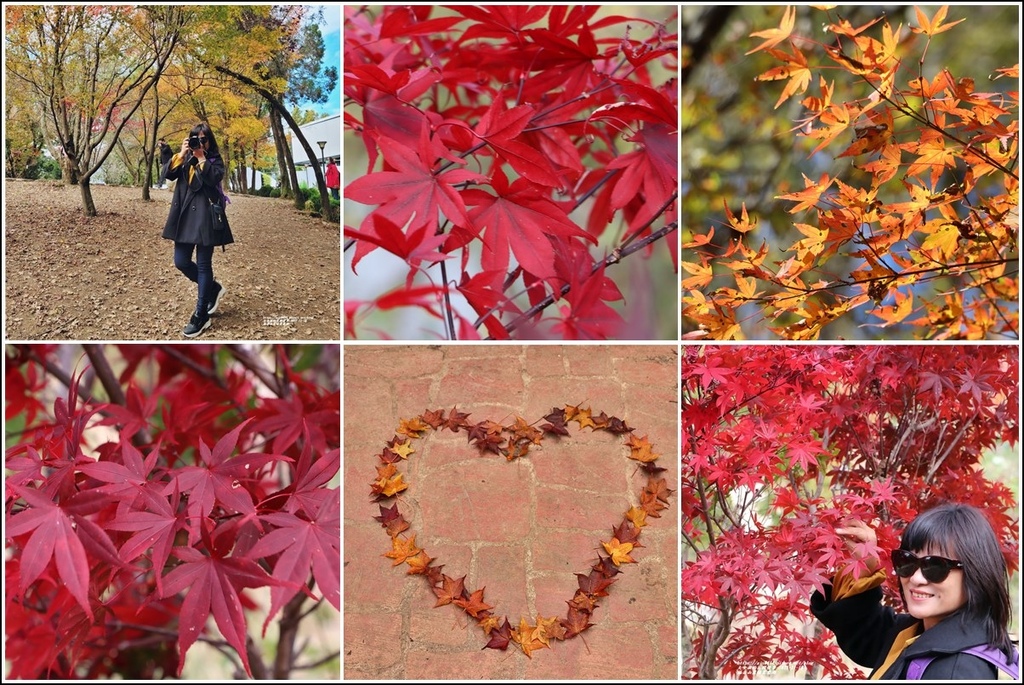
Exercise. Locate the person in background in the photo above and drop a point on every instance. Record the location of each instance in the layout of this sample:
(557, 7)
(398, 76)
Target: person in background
(165, 156)
(333, 178)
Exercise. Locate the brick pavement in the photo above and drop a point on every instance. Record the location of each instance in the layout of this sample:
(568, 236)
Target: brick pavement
(521, 529)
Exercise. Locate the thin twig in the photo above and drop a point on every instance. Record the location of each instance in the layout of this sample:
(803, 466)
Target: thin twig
(449, 319)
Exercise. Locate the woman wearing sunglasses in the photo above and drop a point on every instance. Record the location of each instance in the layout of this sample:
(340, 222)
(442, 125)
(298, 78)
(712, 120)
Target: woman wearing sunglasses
(954, 585)
(190, 223)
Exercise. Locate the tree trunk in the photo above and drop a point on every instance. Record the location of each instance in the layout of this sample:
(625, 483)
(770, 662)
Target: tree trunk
(87, 203)
(282, 153)
(148, 158)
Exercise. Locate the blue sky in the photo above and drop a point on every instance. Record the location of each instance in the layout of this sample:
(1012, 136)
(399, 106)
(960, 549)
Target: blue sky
(331, 30)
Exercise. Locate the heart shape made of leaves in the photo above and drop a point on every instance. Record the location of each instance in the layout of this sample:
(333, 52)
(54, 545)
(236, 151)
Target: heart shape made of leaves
(514, 442)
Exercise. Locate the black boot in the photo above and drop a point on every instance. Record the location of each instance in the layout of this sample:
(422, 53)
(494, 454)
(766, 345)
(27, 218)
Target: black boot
(199, 322)
(214, 298)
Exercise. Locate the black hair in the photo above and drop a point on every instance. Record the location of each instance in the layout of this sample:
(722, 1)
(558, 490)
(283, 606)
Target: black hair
(203, 129)
(962, 532)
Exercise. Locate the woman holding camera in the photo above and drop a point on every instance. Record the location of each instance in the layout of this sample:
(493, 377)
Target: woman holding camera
(193, 225)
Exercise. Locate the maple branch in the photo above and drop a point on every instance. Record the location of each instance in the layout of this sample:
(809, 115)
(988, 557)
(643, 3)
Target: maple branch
(843, 283)
(206, 372)
(288, 627)
(105, 374)
(706, 668)
(57, 372)
(980, 285)
(953, 443)
(449, 320)
(637, 232)
(274, 383)
(256, 665)
(319, 662)
(220, 645)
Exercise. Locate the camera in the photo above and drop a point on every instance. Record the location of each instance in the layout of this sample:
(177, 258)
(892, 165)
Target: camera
(193, 142)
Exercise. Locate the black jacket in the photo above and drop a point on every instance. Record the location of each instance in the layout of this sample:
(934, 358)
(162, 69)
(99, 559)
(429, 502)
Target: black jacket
(189, 219)
(866, 630)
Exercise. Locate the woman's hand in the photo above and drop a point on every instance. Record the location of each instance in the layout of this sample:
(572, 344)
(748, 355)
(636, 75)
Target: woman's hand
(199, 153)
(184, 147)
(857, 534)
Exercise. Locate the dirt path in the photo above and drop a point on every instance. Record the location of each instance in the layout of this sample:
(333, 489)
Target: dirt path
(112, 277)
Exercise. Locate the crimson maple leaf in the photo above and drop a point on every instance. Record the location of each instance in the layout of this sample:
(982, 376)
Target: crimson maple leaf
(500, 637)
(219, 479)
(301, 545)
(648, 173)
(412, 194)
(588, 317)
(155, 527)
(414, 248)
(522, 217)
(484, 292)
(214, 583)
(53, 537)
(500, 128)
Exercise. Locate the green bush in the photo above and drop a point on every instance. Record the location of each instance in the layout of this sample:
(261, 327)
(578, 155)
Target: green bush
(45, 168)
(275, 192)
(265, 191)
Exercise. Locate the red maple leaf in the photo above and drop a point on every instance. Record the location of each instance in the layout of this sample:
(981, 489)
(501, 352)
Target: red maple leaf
(414, 248)
(412, 194)
(155, 527)
(500, 128)
(648, 173)
(219, 480)
(588, 317)
(300, 546)
(53, 537)
(214, 583)
(520, 216)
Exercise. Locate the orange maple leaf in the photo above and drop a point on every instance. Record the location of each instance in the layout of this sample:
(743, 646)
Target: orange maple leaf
(619, 551)
(404, 449)
(637, 516)
(525, 637)
(402, 550)
(474, 606)
(743, 226)
(795, 69)
(775, 36)
(810, 195)
(641, 449)
(413, 427)
(419, 564)
(702, 273)
(934, 26)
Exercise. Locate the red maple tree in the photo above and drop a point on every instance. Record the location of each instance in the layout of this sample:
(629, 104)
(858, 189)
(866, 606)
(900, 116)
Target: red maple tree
(486, 129)
(145, 501)
(782, 443)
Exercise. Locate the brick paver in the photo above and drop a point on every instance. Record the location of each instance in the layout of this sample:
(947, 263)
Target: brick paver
(521, 529)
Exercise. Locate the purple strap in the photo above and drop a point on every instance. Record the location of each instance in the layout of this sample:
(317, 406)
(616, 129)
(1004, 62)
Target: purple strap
(990, 654)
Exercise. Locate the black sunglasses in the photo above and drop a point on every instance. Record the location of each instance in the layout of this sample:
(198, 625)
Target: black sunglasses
(934, 569)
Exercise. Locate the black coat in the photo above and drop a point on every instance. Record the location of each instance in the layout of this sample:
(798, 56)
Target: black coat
(866, 630)
(190, 218)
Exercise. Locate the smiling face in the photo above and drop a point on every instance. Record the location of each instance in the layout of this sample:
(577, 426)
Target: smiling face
(932, 602)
